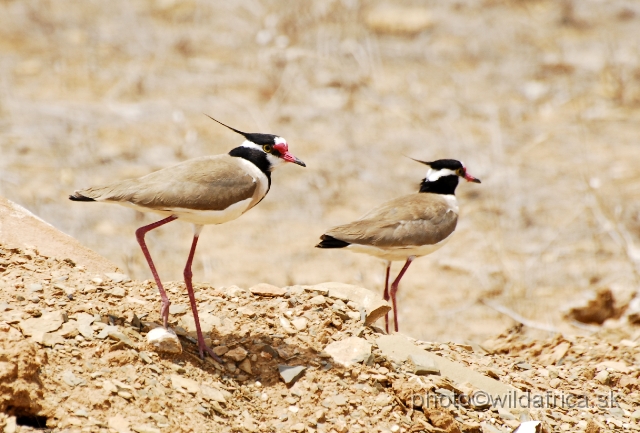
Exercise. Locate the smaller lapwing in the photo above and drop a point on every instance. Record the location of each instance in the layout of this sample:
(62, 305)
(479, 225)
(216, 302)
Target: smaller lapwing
(204, 190)
(407, 227)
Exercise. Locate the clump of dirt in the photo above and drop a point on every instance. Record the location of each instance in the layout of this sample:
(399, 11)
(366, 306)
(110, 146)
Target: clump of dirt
(21, 391)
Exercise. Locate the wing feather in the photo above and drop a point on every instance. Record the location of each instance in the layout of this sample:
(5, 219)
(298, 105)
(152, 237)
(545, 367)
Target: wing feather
(413, 220)
(206, 183)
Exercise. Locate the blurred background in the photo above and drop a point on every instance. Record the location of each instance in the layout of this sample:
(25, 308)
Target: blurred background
(540, 99)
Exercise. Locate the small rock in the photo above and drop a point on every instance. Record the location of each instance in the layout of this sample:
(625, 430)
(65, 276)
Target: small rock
(110, 387)
(524, 365)
(180, 382)
(118, 423)
(299, 427)
(245, 366)
(145, 357)
(290, 374)
(97, 281)
(286, 325)
(117, 277)
(71, 379)
(237, 354)
(48, 339)
(69, 329)
(118, 292)
(349, 351)
(48, 322)
(602, 377)
(318, 300)
(11, 425)
(34, 287)
(125, 394)
(423, 366)
(212, 394)
(114, 333)
(527, 427)
(398, 20)
(300, 323)
(220, 350)
(264, 289)
(177, 309)
(164, 340)
(554, 383)
(145, 428)
(340, 400)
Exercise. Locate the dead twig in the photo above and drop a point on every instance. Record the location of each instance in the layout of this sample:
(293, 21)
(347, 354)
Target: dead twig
(518, 318)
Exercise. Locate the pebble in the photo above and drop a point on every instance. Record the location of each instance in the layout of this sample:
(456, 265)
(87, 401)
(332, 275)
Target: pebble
(145, 357)
(264, 289)
(554, 383)
(220, 350)
(145, 428)
(423, 366)
(212, 394)
(164, 340)
(118, 292)
(291, 374)
(602, 377)
(179, 382)
(237, 354)
(48, 322)
(177, 309)
(349, 351)
(300, 323)
(34, 287)
(71, 379)
(116, 277)
(318, 300)
(245, 366)
(114, 333)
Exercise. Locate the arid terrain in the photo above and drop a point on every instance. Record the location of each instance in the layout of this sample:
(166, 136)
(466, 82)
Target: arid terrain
(540, 99)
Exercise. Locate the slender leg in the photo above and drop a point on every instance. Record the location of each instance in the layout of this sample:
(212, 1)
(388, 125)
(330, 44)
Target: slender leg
(164, 310)
(192, 297)
(385, 295)
(394, 289)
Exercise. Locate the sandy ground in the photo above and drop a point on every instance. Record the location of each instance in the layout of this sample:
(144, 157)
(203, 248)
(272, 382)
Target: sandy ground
(540, 99)
(74, 358)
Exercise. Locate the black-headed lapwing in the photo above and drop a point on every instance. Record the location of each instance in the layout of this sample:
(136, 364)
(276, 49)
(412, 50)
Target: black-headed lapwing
(204, 190)
(406, 227)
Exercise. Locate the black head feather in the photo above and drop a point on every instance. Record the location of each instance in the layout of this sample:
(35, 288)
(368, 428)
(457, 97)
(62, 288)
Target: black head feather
(255, 137)
(451, 164)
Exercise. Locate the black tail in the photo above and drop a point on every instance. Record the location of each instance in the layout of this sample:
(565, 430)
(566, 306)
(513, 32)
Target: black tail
(79, 197)
(331, 242)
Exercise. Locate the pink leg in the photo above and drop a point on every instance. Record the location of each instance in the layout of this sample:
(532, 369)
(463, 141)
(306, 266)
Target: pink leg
(164, 310)
(192, 299)
(394, 289)
(385, 295)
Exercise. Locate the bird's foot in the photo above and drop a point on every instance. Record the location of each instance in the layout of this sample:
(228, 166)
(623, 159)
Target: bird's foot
(203, 348)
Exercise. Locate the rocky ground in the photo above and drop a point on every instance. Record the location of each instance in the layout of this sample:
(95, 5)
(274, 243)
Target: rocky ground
(74, 358)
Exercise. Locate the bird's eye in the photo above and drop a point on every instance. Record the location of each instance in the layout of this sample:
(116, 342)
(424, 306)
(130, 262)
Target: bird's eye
(267, 148)
(460, 172)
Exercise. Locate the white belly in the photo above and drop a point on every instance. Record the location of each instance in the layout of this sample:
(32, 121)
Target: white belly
(201, 217)
(397, 253)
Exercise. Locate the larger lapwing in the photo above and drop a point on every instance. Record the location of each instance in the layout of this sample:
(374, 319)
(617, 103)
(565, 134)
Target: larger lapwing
(204, 190)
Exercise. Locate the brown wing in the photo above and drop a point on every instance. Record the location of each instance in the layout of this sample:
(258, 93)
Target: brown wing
(412, 220)
(206, 183)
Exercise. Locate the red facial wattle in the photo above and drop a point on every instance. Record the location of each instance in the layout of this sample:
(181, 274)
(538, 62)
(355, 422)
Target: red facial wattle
(283, 149)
